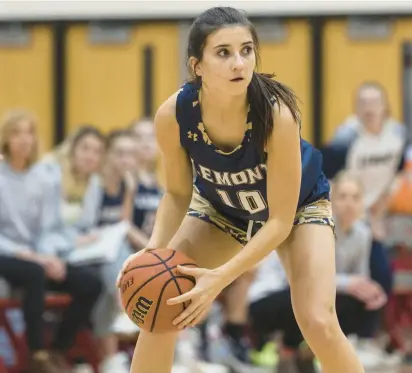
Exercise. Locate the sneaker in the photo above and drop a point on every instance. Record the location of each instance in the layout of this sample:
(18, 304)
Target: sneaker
(40, 362)
(118, 363)
(225, 352)
(83, 368)
(267, 356)
(373, 356)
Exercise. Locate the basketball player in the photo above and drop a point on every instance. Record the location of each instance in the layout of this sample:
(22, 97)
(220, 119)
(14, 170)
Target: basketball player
(258, 186)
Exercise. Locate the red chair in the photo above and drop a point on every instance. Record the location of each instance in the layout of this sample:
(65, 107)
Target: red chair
(398, 312)
(84, 345)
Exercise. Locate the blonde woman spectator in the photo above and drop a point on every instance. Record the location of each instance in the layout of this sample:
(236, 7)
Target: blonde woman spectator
(75, 165)
(27, 211)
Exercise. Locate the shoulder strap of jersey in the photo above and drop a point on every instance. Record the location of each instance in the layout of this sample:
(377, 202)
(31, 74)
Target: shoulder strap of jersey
(187, 112)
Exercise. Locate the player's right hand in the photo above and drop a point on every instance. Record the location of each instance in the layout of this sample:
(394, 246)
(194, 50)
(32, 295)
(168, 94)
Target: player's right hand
(126, 263)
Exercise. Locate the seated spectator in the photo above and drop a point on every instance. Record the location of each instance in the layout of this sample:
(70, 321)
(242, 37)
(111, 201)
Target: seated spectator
(111, 203)
(75, 165)
(26, 212)
(370, 144)
(271, 311)
(148, 193)
(360, 298)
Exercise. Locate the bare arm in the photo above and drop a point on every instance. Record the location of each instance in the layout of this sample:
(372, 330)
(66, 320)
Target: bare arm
(283, 186)
(178, 176)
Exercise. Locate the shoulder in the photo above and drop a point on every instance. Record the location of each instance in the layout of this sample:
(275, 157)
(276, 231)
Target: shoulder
(286, 129)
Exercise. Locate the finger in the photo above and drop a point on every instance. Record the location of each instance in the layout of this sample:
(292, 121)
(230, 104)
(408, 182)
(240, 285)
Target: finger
(190, 271)
(199, 319)
(192, 316)
(183, 298)
(179, 320)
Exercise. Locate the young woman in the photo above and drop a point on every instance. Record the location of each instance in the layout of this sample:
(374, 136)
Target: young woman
(258, 186)
(148, 191)
(27, 211)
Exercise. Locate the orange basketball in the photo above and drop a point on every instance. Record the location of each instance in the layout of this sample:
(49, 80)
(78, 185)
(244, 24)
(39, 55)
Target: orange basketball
(150, 280)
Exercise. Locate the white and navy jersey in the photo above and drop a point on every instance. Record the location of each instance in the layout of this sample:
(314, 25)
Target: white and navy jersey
(235, 182)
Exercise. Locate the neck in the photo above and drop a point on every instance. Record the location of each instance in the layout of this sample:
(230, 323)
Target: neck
(79, 176)
(18, 164)
(112, 182)
(223, 103)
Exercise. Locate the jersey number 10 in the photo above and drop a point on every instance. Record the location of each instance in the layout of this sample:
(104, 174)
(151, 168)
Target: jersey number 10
(251, 201)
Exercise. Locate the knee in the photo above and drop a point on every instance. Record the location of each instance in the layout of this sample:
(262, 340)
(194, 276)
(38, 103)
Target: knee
(318, 322)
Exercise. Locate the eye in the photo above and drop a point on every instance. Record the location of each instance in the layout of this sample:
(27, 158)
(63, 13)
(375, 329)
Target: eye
(223, 53)
(247, 50)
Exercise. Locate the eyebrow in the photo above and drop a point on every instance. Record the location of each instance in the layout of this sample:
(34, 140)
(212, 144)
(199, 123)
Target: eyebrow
(228, 45)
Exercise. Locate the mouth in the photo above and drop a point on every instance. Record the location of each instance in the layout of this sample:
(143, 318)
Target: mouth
(236, 79)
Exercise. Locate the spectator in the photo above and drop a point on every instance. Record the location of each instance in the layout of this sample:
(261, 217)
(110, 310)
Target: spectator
(148, 194)
(75, 165)
(359, 297)
(371, 144)
(270, 311)
(26, 212)
(111, 203)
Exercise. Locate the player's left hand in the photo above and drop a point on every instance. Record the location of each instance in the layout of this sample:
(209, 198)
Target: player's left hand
(208, 286)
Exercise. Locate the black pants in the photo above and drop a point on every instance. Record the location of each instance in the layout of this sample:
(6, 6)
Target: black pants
(274, 313)
(80, 284)
(354, 318)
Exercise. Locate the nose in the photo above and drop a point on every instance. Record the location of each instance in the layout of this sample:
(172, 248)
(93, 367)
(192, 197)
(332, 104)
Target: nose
(238, 62)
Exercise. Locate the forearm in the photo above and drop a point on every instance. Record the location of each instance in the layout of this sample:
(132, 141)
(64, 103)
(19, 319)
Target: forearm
(172, 210)
(269, 237)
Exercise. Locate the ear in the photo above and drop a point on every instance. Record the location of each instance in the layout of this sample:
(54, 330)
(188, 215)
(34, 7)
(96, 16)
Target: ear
(195, 66)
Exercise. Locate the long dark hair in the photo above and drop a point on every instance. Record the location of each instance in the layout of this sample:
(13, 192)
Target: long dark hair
(262, 89)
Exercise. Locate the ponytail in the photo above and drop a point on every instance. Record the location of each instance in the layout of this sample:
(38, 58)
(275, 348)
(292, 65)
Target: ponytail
(263, 92)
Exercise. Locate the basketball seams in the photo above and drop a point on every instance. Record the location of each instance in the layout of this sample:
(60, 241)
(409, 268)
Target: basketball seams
(161, 294)
(172, 275)
(149, 265)
(150, 279)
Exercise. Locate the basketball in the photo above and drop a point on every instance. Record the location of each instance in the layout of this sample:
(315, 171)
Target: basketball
(149, 281)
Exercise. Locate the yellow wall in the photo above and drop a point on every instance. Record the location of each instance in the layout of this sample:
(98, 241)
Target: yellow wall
(26, 80)
(105, 82)
(290, 60)
(348, 63)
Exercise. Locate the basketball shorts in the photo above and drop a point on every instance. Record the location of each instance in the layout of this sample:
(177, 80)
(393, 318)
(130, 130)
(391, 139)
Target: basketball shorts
(318, 212)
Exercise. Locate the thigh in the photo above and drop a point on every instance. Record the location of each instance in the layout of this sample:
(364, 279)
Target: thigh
(19, 272)
(79, 281)
(207, 245)
(308, 256)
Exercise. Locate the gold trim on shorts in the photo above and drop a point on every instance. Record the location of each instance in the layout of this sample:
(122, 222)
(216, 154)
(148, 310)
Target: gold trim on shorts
(318, 212)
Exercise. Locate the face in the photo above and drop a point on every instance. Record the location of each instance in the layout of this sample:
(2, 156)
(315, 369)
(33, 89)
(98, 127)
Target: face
(347, 201)
(121, 156)
(146, 146)
(22, 140)
(228, 60)
(371, 108)
(87, 154)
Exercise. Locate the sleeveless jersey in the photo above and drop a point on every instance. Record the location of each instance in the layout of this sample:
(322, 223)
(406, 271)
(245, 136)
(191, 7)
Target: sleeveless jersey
(235, 182)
